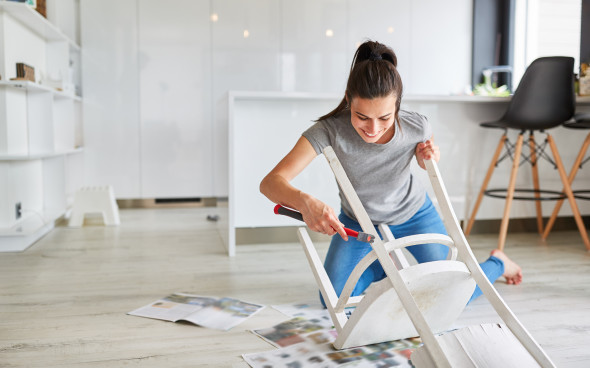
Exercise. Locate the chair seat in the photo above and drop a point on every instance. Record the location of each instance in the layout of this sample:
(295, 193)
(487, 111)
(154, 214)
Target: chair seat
(504, 124)
(441, 290)
(479, 346)
(494, 124)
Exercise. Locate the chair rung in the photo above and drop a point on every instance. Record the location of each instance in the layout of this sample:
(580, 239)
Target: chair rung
(354, 301)
(410, 240)
(582, 194)
(554, 194)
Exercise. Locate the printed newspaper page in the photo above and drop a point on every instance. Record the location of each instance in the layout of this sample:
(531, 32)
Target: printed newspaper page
(306, 341)
(303, 343)
(210, 312)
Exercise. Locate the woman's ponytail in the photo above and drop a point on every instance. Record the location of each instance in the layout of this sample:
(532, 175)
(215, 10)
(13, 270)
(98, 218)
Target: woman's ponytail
(373, 74)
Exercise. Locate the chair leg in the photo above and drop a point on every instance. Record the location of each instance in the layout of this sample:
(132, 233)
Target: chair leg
(568, 191)
(535, 170)
(571, 178)
(510, 194)
(484, 186)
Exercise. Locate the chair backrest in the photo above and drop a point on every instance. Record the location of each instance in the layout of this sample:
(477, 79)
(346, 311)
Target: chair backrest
(545, 96)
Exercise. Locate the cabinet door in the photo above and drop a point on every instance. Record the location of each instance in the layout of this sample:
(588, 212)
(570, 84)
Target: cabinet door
(110, 113)
(246, 49)
(175, 103)
(386, 21)
(315, 54)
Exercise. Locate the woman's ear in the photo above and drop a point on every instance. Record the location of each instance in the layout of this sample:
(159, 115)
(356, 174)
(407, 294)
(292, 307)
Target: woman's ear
(347, 99)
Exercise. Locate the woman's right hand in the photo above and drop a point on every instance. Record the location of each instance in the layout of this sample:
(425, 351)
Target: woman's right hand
(321, 218)
(276, 187)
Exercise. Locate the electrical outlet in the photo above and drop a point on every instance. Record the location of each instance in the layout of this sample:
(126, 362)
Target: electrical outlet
(19, 210)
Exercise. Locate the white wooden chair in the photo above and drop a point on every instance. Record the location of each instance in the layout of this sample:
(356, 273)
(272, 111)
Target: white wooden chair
(422, 300)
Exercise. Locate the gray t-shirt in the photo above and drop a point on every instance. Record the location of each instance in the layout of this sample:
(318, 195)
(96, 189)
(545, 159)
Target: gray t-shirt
(379, 173)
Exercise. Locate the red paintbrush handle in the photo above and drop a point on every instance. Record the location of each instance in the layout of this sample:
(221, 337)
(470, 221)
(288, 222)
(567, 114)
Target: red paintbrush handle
(351, 232)
(280, 210)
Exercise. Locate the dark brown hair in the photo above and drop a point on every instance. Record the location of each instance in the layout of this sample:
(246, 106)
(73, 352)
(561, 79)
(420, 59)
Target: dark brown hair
(373, 74)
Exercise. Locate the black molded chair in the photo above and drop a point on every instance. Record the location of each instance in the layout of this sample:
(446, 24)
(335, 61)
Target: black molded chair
(582, 121)
(543, 100)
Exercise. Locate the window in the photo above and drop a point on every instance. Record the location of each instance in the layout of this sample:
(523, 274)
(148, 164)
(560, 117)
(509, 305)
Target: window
(546, 28)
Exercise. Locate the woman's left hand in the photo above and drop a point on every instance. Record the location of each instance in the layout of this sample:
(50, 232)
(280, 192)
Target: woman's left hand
(426, 151)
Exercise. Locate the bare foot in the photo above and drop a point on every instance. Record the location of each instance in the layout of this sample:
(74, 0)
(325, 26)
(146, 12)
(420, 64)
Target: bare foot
(512, 271)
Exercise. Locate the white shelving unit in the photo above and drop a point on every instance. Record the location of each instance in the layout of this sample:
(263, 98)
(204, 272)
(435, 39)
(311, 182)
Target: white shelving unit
(36, 87)
(35, 22)
(41, 161)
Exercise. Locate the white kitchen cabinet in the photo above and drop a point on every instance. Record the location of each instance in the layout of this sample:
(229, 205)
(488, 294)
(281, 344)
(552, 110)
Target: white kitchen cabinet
(246, 49)
(111, 95)
(315, 52)
(175, 99)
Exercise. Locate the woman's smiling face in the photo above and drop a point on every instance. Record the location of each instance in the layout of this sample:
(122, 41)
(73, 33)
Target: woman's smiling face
(373, 119)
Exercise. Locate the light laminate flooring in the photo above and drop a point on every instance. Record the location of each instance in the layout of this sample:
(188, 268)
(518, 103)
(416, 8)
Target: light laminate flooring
(63, 302)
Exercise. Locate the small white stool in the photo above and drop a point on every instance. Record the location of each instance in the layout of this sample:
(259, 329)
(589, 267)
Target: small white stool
(97, 199)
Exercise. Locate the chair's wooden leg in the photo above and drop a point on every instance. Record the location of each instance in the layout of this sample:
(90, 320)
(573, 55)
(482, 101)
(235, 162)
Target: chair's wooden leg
(322, 278)
(484, 186)
(571, 178)
(535, 169)
(510, 193)
(568, 191)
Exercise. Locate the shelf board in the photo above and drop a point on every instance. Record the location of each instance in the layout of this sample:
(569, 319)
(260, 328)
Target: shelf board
(35, 22)
(32, 223)
(36, 87)
(28, 230)
(40, 156)
(18, 241)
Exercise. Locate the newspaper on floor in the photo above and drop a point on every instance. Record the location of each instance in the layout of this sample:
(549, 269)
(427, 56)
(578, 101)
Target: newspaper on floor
(307, 310)
(294, 331)
(306, 341)
(205, 311)
(314, 349)
(310, 310)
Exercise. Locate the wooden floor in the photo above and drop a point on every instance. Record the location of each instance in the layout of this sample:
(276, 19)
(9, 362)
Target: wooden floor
(63, 302)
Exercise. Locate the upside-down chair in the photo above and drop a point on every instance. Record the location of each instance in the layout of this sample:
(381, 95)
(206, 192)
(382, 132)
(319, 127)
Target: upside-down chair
(424, 299)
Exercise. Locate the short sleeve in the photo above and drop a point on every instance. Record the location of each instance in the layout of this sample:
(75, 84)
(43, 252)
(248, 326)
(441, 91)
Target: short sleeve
(318, 135)
(415, 125)
(427, 129)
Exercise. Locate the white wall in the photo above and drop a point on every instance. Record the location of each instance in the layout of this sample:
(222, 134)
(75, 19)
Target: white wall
(136, 49)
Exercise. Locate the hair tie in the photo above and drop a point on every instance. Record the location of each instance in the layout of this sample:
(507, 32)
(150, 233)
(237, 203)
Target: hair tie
(374, 57)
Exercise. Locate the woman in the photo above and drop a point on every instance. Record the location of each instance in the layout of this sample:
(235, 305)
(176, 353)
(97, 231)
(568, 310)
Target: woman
(375, 142)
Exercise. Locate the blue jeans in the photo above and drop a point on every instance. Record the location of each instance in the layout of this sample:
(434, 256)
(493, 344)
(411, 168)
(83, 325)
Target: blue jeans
(343, 256)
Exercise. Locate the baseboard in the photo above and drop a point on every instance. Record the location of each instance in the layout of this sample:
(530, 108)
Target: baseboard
(167, 202)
